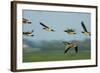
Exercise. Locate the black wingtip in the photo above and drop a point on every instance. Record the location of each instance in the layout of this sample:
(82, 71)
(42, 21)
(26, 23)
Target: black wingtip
(76, 49)
(41, 23)
(82, 22)
(65, 52)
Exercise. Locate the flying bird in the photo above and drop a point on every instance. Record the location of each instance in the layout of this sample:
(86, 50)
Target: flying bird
(28, 33)
(46, 28)
(70, 31)
(26, 21)
(69, 45)
(85, 32)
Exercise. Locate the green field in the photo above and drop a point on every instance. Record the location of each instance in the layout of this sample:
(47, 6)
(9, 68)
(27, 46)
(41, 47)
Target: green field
(36, 57)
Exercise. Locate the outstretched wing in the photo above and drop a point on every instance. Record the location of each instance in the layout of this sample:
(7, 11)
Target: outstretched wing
(43, 25)
(84, 26)
(76, 49)
(24, 19)
(28, 32)
(66, 50)
(71, 30)
(29, 22)
(66, 43)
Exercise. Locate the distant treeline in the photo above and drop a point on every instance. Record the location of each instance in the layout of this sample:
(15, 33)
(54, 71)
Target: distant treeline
(53, 45)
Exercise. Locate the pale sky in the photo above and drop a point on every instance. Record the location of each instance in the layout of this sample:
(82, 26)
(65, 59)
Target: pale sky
(59, 21)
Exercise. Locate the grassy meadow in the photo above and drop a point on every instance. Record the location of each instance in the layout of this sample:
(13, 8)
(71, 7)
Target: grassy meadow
(36, 57)
(54, 51)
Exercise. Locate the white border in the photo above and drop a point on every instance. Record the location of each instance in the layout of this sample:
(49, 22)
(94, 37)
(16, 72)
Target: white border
(34, 65)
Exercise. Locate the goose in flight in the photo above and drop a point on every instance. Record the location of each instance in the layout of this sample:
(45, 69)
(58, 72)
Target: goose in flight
(85, 32)
(26, 21)
(70, 31)
(69, 45)
(46, 28)
(28, 33)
